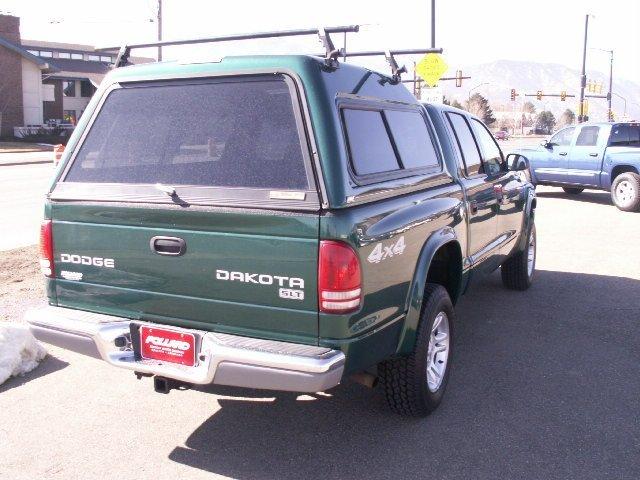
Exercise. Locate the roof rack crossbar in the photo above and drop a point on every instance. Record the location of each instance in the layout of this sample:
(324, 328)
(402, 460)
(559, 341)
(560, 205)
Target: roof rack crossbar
(331, 53)
(414, 51)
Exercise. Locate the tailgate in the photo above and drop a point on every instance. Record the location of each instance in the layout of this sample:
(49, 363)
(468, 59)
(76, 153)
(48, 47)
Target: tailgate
(193, 202)
(239, 272)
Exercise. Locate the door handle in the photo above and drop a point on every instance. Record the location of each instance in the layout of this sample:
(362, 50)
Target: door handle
(473, 206)
(593, 154)
(171, 246)
(563, 154)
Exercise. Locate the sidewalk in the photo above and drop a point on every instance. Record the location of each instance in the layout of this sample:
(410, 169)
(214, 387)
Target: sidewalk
(24, 147)
(26, 158)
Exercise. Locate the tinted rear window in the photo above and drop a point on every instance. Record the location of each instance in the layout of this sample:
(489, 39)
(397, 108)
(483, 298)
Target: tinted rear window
(221, 134)
(369, 143)
(625, 136)
(412, 139)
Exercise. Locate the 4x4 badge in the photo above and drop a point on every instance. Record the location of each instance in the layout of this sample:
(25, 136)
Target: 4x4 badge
(382, 252)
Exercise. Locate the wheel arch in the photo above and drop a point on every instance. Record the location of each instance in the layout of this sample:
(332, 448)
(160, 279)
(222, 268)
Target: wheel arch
(440, 261)
(622, 168)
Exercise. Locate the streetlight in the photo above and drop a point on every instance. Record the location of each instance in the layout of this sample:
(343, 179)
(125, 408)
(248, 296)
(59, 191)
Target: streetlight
(583, 75)
(610, 52)
(625, 103)
(473, 88)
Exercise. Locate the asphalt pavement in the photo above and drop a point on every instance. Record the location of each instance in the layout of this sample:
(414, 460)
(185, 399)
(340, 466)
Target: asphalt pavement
(545, 385)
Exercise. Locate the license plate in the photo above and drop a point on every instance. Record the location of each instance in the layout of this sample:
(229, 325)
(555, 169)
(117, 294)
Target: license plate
(167, 345)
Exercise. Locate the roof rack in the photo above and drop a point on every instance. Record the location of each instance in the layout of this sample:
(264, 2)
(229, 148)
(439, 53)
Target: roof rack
(331, 53)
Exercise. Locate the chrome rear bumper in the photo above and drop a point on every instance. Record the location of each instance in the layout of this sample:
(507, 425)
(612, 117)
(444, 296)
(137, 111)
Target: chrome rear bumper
(222, 359)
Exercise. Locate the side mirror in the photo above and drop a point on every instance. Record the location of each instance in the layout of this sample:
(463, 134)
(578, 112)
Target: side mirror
(517, 162)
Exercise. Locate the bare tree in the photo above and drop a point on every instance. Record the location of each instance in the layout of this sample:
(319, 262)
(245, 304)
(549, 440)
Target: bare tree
(529, 108)
(568, 117)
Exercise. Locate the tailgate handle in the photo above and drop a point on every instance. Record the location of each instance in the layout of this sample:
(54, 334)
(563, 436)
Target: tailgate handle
(172, 246)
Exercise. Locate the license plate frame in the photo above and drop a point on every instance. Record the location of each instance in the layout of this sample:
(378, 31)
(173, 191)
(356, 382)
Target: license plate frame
(165, 344)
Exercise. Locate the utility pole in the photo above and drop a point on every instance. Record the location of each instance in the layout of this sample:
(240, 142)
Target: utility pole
(433, 23)
(159, 21)
(610, 113)
(583, 76)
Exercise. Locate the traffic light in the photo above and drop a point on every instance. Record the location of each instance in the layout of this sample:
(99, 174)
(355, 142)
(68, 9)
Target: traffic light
(513, 94)
(585, 107)
(563, 95)
(458, 78)
(539, 94)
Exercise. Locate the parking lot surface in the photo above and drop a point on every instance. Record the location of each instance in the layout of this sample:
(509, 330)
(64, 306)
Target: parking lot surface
(23, 187)
(545, 384)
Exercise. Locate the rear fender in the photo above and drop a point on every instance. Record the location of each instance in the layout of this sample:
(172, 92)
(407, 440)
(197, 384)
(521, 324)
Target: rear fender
(415, 298)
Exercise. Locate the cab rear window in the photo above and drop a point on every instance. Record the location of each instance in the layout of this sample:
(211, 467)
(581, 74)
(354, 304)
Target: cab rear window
(386, 142)
(220, 134)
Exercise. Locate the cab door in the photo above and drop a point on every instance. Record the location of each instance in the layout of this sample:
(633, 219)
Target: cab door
(481, 199)
(585, 158)
(508, 188)
(551, 166)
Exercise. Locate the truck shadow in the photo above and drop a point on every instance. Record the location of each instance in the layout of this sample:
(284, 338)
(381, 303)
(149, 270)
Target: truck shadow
(588, 196)
(48, 365)
(545, 384)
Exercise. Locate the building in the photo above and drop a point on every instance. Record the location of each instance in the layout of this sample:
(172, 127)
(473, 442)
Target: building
(44, 83)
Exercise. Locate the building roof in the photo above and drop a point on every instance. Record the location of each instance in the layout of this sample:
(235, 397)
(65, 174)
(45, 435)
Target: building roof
(24, 53)
(79, 69)
(71, 47)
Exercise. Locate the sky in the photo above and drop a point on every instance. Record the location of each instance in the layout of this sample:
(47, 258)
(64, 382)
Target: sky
(470, 32)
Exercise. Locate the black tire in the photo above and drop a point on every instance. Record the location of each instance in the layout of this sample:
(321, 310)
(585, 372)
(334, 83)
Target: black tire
(572, 190)
(404, 379)
(515, 271)
(626, 199)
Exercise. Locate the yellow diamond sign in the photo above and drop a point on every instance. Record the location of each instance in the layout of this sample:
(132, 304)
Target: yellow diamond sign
(431, 68)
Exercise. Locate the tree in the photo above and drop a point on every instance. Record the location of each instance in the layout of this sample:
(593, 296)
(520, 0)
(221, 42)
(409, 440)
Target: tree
(506, 123)
(545, 121)
(479, 106)
(452, 103)
(529, 107)
(457, 104)
(567, 117)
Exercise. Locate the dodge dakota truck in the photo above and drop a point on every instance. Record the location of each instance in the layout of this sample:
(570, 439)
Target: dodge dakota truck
(602, 156)
(279, 222)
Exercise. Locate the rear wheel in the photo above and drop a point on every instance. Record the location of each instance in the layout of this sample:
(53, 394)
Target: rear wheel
(517, 272)
(414, 385)
(625, 192)
(572, 190)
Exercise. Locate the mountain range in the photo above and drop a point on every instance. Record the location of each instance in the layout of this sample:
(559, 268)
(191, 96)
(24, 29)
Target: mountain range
(501, 76)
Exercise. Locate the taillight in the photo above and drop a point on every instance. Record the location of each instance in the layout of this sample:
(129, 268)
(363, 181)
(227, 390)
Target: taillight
(46, 248)
(339, 278)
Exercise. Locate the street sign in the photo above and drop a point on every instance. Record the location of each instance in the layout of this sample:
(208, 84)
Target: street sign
(431, 95)
(431, 68)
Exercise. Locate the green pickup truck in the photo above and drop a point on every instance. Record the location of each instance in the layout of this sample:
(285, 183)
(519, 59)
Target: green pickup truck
(276, 222)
